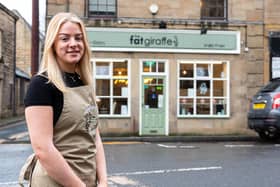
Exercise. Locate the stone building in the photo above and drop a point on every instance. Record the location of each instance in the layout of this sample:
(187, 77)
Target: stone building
(177, 67)
(7, 62)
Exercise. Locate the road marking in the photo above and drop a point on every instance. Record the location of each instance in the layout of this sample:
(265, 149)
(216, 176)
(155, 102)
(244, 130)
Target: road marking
(188, 147)
(167, 171)
(18, 135)
(232, 146)
(167, 146)
(277, 145)
(123, 181)
(118, 142)
(14, 183)
(2, 141)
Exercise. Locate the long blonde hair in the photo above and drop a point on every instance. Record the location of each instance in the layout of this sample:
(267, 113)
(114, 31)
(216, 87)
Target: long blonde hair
(49, 63)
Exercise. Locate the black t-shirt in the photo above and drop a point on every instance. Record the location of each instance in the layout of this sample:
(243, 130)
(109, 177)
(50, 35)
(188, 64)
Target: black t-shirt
(44, 93)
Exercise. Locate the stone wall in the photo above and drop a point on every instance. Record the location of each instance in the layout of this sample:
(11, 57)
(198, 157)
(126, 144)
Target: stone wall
(7, 64)
(23, 40)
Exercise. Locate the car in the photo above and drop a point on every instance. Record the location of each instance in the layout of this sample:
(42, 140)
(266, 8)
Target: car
(264, 112)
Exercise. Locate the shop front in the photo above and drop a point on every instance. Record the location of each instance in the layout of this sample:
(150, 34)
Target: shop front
(162, 82)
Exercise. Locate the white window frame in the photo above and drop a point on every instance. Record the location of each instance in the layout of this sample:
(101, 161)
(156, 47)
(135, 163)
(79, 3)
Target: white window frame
(211, 97)
(110, 77)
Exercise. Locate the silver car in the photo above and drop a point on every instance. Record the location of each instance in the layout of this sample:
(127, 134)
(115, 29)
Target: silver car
(264, 112)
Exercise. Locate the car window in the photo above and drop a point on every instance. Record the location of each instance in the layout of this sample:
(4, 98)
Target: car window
(271, 87)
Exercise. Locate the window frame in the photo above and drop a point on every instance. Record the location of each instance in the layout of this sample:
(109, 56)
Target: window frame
(203, 7)
(99, 14)
(211, 97)
(111, 78)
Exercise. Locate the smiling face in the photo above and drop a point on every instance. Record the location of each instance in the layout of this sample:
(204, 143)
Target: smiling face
(69, 46)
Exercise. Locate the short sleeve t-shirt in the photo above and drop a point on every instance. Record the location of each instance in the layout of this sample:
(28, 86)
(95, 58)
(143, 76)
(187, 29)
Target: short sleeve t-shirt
(44, 93)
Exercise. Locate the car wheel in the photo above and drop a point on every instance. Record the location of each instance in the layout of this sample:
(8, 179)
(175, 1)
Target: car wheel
(268, 136)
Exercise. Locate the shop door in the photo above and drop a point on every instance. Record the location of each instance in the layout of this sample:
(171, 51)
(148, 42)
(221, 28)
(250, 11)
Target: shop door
(153, 105)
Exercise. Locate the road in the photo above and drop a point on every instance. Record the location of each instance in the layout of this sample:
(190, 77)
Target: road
(222, 164)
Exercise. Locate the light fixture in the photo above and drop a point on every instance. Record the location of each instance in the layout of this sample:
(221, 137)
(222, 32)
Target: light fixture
(153, 9)
(162, 25)
(203, 29)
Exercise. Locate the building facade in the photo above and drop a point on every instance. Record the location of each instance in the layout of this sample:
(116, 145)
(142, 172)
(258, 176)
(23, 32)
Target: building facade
(7, 62)
(176, 67)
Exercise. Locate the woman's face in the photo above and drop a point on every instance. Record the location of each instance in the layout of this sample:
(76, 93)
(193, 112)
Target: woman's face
(69, 46)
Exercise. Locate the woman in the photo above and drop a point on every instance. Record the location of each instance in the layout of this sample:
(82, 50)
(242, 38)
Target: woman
(61, 112)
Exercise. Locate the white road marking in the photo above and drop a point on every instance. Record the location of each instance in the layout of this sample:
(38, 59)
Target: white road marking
(12, 184)
(123, 180)
(232, 146)
(167, 146)
(18, 135)
(276, 145)
(188, 147)
(167, 171)
(2, 141)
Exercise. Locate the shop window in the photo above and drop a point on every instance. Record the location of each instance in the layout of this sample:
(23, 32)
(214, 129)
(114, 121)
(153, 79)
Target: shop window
(213, 9)
(205, 92)
(112, 87)
(102, 8)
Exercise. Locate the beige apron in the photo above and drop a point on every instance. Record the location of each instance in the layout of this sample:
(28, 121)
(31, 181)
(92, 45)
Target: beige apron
(74, 137)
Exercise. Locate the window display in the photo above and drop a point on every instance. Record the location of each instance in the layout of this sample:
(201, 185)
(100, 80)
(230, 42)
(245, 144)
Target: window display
(112, 87)
(204, 93)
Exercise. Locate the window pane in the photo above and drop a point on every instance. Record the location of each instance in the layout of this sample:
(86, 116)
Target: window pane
(102, 8)
(186, 106)
(93, 1)
(120, 106)
(120, 87)
(186, 70)
(214, 9)
(93, 8)
(102, 87)
(103, 2)
(104, 106)
(120, 68)
(202, 70)
(160, 81)
(219, 88)
(203, 106)
(161, 67)
(219, 106)
(154, 67)
(102, 68)
(203, 88)
(111, 9)
(186, 88)
(219, 70)
(111, 2)
(151, 94)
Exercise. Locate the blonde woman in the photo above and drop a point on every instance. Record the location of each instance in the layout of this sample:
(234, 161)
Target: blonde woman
(61, 112)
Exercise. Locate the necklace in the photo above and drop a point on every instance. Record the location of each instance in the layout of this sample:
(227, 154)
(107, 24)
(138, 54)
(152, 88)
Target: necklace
(72, 77)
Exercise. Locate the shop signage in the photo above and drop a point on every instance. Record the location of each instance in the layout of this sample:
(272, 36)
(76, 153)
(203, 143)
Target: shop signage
(156, 40)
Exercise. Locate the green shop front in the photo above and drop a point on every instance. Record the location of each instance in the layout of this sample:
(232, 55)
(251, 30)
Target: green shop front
(164, 82)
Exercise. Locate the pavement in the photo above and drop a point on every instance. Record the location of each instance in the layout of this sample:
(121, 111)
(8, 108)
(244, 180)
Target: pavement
(24, 138)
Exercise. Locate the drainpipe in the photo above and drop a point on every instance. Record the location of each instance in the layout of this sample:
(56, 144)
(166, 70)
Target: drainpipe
(35, 38)
(67, 5)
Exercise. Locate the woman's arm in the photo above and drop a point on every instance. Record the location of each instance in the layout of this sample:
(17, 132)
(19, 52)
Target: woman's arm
(40, 126)
(100, 161)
